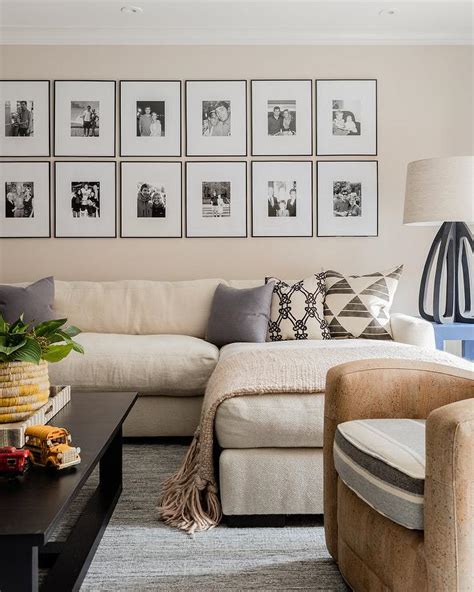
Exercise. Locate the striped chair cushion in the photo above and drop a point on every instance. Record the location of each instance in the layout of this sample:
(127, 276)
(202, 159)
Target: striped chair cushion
(383, 462)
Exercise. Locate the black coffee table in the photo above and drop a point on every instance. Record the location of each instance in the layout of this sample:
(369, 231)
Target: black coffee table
(32, 506)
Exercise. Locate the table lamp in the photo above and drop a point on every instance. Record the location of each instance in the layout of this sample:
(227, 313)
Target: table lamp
(441, 191)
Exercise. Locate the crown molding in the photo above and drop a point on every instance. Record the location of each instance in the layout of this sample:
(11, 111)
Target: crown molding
(211, 36)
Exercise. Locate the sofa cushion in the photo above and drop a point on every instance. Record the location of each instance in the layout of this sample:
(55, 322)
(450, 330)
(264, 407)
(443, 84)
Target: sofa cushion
(239, 314)
(314, 344)
(297, 310)
(383, 462)
(34, 301)
(278, 421)
(137, 307)
(359, 305)
(149, 364)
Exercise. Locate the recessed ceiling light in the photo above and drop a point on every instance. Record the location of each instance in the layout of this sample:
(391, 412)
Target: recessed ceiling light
(131, 9)
(388, 12)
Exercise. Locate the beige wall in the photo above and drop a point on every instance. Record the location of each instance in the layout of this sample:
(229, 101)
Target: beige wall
(425, 109)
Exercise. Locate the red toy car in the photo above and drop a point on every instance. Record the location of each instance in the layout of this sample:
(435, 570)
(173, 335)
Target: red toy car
(14, 461)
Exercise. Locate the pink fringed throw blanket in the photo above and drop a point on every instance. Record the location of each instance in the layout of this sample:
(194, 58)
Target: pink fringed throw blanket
(190, 499)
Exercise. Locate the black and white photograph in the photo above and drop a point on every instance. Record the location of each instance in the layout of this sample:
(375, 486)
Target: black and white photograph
(84, 118)
(216, 199)
(85, 199)
(150, 118)
(346, 117)
(216, 196)
(24, 199)
(282, 198)
(19, 199)
(19, 118)
(216, 118)
(151, 199)
(347, 198)
(282, 117)
(25, 129)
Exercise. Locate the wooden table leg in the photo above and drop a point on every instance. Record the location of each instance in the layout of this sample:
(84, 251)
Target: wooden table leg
(18, 567)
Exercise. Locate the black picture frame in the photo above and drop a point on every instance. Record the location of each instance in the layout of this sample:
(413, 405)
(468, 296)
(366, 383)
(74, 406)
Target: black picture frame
(180, 162)
(318, 235)
(253, 162)
(55, 154)
(186, 82)
(48, 162)
(376, 114)
(48, 155)
(312, 113)
(186, 198)
(56, 162)
(180, 154)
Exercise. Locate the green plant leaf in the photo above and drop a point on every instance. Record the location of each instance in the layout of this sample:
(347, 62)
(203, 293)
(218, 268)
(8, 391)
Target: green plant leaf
(11, 347)
(49, 327)
(55, 353)
(72, 331)
(77, 347)
(58, 337)
(29, 352)
(19, 326)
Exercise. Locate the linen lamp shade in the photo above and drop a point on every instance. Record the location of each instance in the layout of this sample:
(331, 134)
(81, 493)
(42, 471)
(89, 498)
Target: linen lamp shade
(440, 190)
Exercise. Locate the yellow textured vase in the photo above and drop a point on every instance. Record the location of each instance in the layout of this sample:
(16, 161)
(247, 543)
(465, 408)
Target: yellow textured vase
(24, 388)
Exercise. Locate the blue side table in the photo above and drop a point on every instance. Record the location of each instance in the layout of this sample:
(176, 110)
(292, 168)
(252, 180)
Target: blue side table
(456, 331)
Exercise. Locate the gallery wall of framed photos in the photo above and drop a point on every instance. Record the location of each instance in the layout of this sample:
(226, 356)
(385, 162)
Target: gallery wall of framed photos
(408, 79)
(293, 124)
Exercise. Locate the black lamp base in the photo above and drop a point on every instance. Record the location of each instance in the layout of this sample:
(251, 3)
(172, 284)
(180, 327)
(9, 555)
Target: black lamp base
(452, 253)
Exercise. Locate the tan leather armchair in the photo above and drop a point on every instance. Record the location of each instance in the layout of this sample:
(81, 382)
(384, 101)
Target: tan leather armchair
(373, 553)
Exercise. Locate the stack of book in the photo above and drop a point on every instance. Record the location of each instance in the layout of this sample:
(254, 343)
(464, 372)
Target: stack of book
(13, 434)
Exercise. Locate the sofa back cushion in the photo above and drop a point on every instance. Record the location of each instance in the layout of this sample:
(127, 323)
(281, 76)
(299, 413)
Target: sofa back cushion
(137, 306)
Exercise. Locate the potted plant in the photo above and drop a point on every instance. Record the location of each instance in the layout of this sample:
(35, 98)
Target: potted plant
(25, 351)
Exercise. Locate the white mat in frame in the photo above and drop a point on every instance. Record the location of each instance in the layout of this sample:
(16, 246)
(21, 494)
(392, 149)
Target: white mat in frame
(151, 198)
(85, 199)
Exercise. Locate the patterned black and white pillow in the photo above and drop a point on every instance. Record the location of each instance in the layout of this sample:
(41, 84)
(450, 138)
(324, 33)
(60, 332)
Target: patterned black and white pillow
(297, 310)
(359, 305)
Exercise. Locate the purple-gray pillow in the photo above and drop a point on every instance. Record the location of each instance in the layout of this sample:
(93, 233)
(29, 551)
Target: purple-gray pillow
(239, 315)
(35, 302)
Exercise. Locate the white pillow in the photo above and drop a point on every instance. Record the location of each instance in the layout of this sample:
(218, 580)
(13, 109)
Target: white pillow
(297, 310)
(359, 305)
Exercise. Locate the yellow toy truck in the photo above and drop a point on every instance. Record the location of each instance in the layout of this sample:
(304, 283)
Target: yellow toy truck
(50, 447)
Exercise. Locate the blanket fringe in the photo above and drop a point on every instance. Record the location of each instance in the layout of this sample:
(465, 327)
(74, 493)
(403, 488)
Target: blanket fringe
(190, 502)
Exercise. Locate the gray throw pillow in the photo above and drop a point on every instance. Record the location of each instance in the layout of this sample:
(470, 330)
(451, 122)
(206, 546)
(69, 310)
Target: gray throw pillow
(239, 315)
(34, 302)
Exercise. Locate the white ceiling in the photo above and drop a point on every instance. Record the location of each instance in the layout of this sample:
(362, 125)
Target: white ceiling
(236, 22)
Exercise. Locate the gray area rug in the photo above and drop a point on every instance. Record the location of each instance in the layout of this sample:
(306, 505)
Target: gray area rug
(137, 552)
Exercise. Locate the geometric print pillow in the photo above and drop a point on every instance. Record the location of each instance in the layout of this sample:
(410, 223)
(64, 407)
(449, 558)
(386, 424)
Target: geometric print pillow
(359, 305)
(297, 310)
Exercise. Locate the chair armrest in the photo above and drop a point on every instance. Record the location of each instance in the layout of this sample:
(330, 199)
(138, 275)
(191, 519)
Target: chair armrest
(382, 389)
(411, 330)
(449, 497)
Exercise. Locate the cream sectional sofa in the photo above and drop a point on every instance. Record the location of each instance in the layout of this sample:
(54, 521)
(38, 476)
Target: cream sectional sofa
(149, 336)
